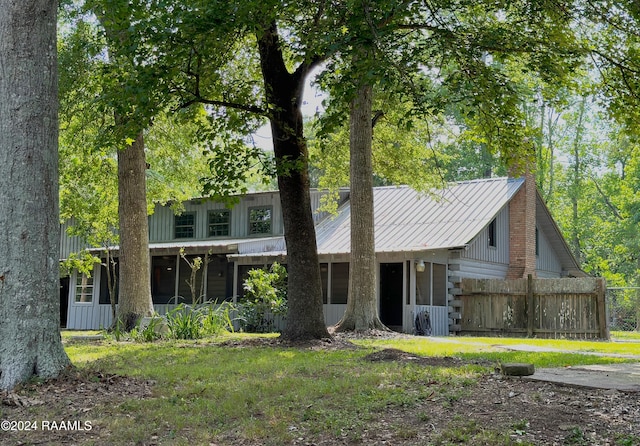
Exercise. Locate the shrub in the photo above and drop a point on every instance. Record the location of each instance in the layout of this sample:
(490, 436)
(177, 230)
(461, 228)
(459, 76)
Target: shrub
(265, 298)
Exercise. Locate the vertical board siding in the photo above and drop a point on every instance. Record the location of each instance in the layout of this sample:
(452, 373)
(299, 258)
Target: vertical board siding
(69, 244)
(439, 317)
(547, 262)
(568, 308)
(333, 313)
(479, 248)
(161, 223)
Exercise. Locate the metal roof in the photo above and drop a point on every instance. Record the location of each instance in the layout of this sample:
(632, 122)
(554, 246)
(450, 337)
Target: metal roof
(240, 245)
(406, 220)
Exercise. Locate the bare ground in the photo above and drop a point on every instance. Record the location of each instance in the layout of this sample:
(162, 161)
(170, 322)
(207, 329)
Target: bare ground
(495, 411)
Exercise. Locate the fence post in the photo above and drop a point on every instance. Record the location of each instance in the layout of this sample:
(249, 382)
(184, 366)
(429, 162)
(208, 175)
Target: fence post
(530, 306)
(602, 308)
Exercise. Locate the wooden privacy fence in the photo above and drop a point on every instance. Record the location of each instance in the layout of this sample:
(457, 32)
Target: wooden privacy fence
(546, 308)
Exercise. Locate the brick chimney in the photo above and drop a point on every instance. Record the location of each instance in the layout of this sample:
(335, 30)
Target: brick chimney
(522, 230)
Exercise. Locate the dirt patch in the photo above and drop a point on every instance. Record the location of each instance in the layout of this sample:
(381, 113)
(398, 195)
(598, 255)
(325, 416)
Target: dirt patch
(506, 411)
(61, 411)
(392, 354)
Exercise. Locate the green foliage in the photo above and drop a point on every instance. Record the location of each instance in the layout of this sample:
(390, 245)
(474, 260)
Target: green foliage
(576, 437)
(191, 322)
(150, 332)
(265, 298)
(218, 319)
(185, 322)
(82, 261)
(117, 332)
(627, 440)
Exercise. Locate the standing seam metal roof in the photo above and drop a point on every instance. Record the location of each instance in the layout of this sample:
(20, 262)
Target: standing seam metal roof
(405, 220)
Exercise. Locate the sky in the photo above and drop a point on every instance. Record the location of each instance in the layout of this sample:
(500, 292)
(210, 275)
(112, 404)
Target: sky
(311, 105)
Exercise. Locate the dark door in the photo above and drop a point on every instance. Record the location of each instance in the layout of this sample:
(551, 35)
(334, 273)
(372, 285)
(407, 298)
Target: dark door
(391, 284)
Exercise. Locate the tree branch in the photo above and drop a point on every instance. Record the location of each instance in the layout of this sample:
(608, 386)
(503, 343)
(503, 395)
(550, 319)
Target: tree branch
(606, 200)
(244, 107)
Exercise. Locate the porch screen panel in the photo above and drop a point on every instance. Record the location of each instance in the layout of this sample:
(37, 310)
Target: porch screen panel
(408, 280)
(184, 291)
(163, 279)
(423, 286)
(439, 284)
(219, 287)
(324, 276)
(339, 283)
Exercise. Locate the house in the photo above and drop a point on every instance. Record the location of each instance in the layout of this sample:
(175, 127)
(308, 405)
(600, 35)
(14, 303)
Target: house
(425, 244)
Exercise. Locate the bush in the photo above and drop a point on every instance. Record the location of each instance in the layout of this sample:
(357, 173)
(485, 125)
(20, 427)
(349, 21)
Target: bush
(265, 298)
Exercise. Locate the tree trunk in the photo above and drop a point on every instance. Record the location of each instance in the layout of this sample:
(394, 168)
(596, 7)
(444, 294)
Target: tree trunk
(576, 191)
(30, 341)
(134, 298)
(305, 319)
(362, 305)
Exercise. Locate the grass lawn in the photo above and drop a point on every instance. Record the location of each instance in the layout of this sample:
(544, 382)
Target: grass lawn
(493, 349)
(250, 390)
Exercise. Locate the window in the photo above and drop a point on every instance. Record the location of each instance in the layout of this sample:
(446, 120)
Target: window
(439, 285)
(260, 220)
(537, 243)
(219, 223)
(492, 233)
(185, 225)
(84, 289)
(423, 286)
(339, 283)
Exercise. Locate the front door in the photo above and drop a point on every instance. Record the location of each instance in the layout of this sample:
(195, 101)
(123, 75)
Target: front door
(391, 285)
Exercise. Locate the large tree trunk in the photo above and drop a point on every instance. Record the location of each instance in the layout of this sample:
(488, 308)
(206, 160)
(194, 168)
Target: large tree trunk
(305, 319)
(362, 306)
(134, 296)
(30, 341)
(135, 281)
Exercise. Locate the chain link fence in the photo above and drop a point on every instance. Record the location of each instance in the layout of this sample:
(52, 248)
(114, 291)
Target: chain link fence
(623, 308)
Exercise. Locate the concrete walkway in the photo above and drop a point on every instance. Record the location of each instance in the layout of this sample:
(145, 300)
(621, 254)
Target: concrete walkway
(535, 348)
(623, 377)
